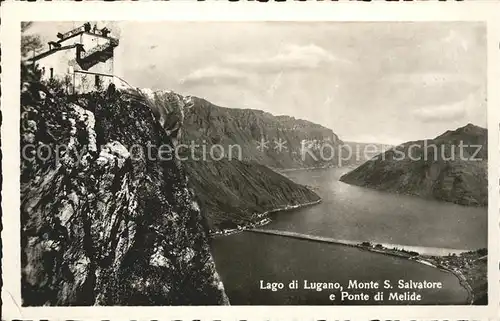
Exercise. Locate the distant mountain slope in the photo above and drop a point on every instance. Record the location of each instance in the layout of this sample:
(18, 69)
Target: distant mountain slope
(439, 172)
(232, 193)
(361, 152)
(207, 122)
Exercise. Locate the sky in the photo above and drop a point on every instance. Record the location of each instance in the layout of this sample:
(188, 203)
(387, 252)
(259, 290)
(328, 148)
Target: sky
(382, 82)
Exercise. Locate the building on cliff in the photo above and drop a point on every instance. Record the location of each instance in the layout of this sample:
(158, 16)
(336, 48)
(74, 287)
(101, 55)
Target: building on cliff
(82, 59)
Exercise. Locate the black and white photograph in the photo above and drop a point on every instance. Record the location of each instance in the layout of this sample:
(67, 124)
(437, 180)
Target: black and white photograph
(253, 163)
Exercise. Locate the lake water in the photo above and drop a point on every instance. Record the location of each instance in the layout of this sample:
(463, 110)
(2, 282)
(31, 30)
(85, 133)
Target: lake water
(350, 213)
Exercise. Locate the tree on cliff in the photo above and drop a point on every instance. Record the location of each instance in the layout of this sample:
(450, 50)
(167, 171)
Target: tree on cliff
(30, 43)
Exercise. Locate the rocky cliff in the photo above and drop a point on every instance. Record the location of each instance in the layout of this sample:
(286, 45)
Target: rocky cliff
(303, 141)
(231, 182)
(452, 167)
(233, 193)
(105, 219)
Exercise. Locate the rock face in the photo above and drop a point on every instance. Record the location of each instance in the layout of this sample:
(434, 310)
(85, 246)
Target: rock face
(231, 184)
(438, 168)
(105, 220)
(235, 193)
(306, 144)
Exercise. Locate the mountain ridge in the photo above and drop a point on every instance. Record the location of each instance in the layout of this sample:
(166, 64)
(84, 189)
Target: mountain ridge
(442, 169)
(235, 191)
(247, 127)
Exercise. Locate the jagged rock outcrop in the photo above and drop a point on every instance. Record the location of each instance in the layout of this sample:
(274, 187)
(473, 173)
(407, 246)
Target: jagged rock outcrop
(436, 168)
(105, 220)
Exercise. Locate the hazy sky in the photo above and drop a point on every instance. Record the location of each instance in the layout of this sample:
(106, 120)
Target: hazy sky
(370, 82)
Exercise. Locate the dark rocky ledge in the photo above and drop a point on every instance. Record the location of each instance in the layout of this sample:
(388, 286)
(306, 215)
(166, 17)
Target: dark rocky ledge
(100, 227)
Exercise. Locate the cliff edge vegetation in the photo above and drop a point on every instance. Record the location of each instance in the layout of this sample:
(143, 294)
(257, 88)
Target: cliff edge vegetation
(104, 223)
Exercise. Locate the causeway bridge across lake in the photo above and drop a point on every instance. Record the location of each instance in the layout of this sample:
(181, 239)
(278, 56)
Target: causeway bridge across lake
(324, 239)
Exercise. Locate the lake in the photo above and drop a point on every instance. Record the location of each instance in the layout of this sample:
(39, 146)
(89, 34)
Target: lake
(350, 213)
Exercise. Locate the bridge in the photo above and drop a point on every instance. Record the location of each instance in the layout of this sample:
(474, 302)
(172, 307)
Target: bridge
(324, 239)
(303, 236)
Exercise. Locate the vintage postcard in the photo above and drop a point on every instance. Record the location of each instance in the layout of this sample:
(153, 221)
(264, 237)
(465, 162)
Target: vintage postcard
(300, 163)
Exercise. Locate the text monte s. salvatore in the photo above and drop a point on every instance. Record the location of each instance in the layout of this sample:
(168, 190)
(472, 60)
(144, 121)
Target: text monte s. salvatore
(351, 290)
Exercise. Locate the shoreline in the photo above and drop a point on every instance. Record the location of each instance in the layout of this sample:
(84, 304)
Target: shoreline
(286, 170)
(349, 167)
(400, 253)
(463, 282)
(263, 222)
(394, 252)
(414, 194)
(461, 278)
(419, 259)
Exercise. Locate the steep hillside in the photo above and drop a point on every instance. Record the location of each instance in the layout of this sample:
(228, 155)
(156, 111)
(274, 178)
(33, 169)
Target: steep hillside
(206, 122)
(105, 221)
(438, 168)
(234, 193)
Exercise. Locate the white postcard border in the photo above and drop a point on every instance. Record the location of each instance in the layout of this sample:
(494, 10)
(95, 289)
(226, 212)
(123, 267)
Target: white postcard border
(14, 12)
